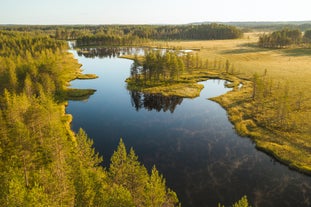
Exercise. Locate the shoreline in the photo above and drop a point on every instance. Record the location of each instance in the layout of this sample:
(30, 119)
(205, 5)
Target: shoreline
(237, 113)
(244, 127)
(262, 137)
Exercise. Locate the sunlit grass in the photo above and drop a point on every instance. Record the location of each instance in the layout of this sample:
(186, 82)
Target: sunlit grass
(289, 67)
(77, 94)
(87, 76)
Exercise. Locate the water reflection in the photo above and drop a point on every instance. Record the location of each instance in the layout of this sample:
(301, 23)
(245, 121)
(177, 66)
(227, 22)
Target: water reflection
(154, 101)
(195, 148)
(110, 52)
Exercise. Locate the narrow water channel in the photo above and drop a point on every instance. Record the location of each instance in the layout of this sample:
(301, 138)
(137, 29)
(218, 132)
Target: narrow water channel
(191, 141)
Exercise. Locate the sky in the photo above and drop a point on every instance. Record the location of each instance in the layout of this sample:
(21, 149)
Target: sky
(150, 11)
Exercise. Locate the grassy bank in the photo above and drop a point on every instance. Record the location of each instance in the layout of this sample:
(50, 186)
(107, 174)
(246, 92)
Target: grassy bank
(86, 76)
(286, 137)
(186, 87)
(75, 94)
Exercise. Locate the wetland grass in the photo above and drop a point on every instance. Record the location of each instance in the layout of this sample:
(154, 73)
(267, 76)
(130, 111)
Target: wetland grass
(290, 72)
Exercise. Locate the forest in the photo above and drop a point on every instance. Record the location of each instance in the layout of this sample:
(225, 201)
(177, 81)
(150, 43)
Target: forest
(284, 38)
(270, 26)
(43, 162)
(135, 35)
(122, 35)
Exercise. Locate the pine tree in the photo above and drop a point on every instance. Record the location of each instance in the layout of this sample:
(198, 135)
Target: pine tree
(117, 168)
(126, 171)
(156, 189)
(243, 202)
(117, 196)
(89, 178)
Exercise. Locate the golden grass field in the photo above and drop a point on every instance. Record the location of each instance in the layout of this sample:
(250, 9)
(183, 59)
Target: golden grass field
(290, 71)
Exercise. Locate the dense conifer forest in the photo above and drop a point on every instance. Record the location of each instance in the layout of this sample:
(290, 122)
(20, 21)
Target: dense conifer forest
(130, 35)
(284, 38)
(43, 163)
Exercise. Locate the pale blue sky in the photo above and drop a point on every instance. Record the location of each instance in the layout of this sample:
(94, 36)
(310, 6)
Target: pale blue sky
(150, 11)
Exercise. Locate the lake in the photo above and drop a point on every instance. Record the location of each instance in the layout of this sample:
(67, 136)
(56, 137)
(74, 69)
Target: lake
(191, 141)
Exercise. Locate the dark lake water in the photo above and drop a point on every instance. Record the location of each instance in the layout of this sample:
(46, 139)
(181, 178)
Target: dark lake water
(191, 141)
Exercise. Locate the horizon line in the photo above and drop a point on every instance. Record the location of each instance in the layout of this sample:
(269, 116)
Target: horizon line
(198, 22)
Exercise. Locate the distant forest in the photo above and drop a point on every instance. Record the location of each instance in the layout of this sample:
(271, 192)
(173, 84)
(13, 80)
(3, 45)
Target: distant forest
(129, 34)
(269, 26)
(134, 34)
(76, 31)
(244, 26)
(284, 38)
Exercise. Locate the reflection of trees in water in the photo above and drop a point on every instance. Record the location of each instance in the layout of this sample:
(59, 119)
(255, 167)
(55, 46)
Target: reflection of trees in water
(154, 101)
(107, 52)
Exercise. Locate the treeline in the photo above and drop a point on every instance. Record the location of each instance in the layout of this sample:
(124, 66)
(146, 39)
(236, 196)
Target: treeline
(130, 34)
(307, 36)
(43, 163)
(284, 38)
(135, 35)
(198, 32)
(272, 26)
(158, 67)
(110, 40)
(188, 32)
(34, 64)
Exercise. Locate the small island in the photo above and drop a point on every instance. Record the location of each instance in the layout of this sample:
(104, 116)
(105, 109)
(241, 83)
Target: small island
(86, 76)
(173, 74)
(75, 94)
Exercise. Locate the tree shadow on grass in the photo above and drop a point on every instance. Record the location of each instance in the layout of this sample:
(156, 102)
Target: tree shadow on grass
(297, 52)
(246, 48)
(253, 48)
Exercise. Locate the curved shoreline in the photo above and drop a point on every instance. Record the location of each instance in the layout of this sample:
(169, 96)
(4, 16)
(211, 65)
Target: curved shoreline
(263, 138)
(231, 102)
